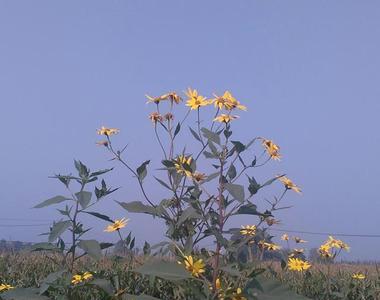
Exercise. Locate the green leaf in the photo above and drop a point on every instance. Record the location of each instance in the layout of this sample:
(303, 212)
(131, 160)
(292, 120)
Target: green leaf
(211, 177)
(275, 290)
(195, 135)
(54, 200)
(104, 284)
(210, 135)
(44, 247)
(57, 229)
(188, 213)
(236, 191)
(49, 280)
(177, 129)
(91, 247)
(100, 172)
(253, 185)
(100, 216)
(169, 270)
(248, 209)
(23, 294)
(141, 171)
(84, 198)
(231, 172)
(138, 207)
(163, 183)
(238, 146)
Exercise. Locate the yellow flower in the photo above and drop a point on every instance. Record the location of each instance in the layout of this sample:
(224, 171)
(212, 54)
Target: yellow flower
(289, 185)
(155, 117)
(272, 149)
(324, 251)
(5, 287)
(359, 276)
(107, 131)
(238, 295)
(198, 176)
(223, 118)
(248, 230)
(182, 164)
(87, 276)
(76, 279)
(269, 246)
(296, 264)
(194, 100)
(228, 102)
(117, 225)
(172, 97)
(335, 243)
(196, 268)
(299, 240)
(285, 237)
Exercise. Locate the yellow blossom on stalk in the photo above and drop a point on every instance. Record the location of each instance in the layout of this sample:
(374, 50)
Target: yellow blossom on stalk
(198, 176)
(173, 97)
(107, 131)
(117, 225)
(223, 118)
(194, 100)
(248, 230)
(272, 149)
(5, 287)
(296, 264)
(298, 240)
(359, 276)
(335, 243)
(269, 246)
(289, 185)
(228, 102)
(155, 117)
(196, 268)
(324, 251)
(238, 295)
(285, 237)
(76, 279)
(179, 163)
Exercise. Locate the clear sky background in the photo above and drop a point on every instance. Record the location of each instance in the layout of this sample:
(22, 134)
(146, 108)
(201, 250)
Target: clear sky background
(307, 70)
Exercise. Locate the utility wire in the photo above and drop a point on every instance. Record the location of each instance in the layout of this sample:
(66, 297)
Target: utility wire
(328, 233)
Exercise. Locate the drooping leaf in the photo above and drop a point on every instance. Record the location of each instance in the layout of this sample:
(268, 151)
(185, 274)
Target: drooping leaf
(54, 200)
(248, 209)
(163, 183)
(44, 247)
(231, 172)
(50, 279)
(104, 284)
(91, 247)
(84, 198)
(236, 191)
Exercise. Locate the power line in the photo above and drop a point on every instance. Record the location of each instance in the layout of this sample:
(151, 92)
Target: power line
(328, 233)
(23, 225)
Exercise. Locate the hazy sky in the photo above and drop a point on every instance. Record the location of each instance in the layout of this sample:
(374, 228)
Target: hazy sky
(307, 70)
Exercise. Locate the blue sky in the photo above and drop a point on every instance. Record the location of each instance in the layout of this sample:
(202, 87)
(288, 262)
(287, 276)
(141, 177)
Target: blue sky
(307, 70)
